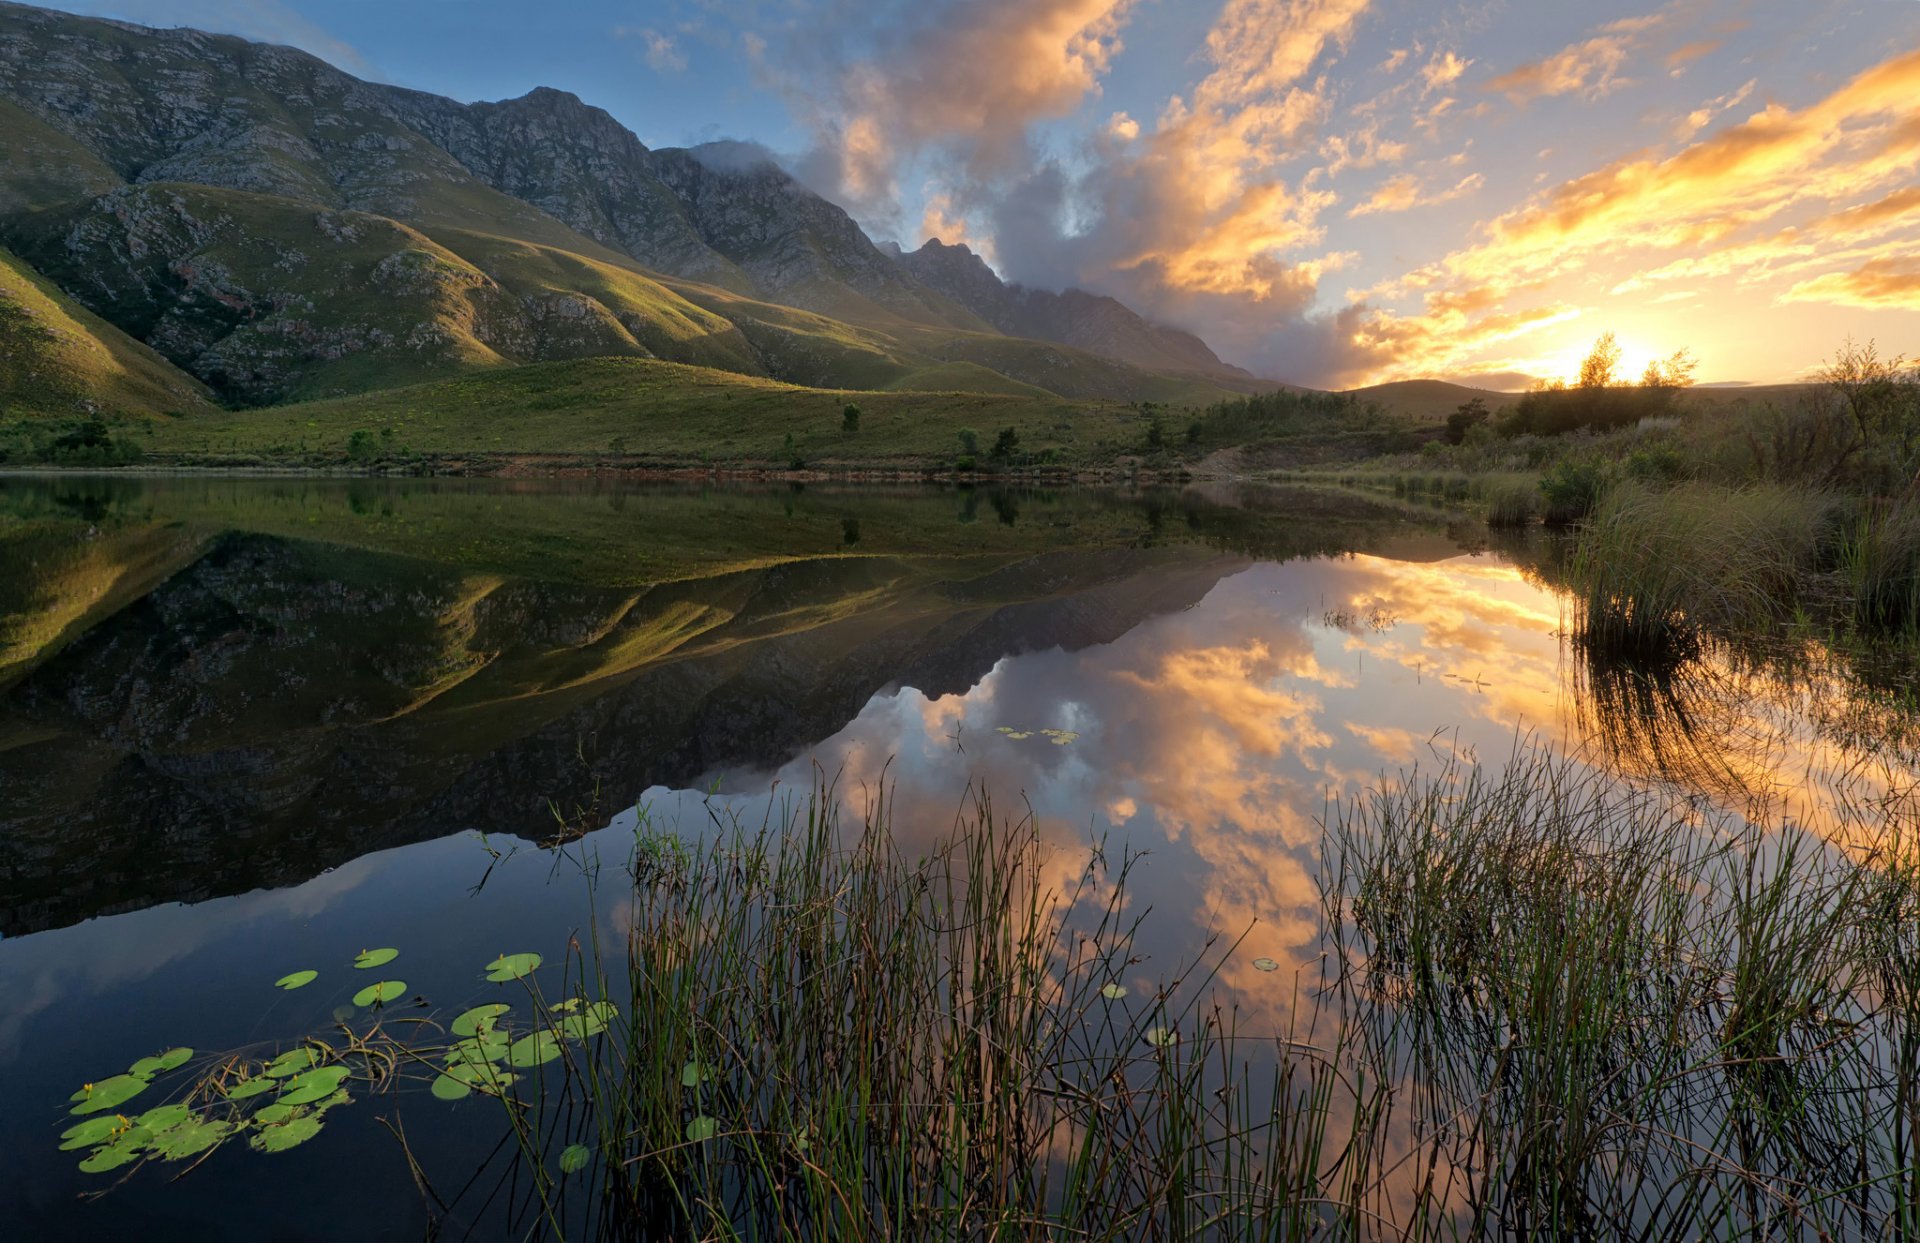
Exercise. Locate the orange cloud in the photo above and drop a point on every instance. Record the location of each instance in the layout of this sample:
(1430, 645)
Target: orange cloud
(1881, 283)
(1404, 193)
(1590, 67)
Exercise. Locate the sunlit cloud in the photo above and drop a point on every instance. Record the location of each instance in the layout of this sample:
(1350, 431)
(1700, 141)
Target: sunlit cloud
(1891, 282)
(1404, 193)
(1591, 67)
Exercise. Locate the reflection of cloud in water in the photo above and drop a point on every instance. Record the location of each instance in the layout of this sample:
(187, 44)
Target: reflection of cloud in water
(110, 953)
(1216, 737)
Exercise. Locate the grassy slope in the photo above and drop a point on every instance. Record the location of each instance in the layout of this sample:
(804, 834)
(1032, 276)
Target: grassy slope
(1431, 400)
(58, 359)
(663, 411)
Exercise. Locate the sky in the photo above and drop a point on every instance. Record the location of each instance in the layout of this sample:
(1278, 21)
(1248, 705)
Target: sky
(1333, 192)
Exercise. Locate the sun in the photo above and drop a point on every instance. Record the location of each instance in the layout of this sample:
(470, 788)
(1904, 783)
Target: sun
(1561, 360)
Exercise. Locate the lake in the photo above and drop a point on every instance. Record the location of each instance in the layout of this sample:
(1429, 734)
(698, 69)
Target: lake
(250, 727)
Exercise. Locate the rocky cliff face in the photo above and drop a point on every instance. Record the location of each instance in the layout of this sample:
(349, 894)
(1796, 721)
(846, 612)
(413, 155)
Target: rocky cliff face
(1091, 322)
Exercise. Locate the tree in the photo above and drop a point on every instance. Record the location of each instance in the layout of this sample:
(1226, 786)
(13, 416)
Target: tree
(969, 441)
(1466, 416)
(1005, 444)
(1675, 371)
(850, 419)
(1598, 368)
(1869, 385)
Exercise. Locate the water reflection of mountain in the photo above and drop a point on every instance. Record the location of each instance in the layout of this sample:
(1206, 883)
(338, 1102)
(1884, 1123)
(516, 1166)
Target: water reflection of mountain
(221, 710)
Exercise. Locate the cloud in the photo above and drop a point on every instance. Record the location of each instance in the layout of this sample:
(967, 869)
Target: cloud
(1443, 70)
(1704, 200)
(662, 53)
(269, 21)
(970, 78)
(1590, 67)
(1889, 282)
(1404, 193)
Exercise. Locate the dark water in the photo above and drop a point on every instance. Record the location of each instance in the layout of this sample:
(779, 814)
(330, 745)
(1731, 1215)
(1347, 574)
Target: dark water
(250, 727)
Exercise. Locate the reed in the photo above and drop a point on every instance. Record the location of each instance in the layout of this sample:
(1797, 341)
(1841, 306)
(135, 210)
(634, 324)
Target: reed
(1653, 570)
(828, 1039)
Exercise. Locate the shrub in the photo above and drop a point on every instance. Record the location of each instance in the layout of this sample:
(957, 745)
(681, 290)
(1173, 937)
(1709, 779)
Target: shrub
(969, 441)
(363, 446)
(1571, 490)
(1006, 443)
(850, 419)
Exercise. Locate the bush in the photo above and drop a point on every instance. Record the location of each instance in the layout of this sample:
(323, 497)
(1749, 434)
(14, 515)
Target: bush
(966, 462)
(969, 441)
(1006, 443)
(1571, 490)
(363, 446)
(850, 419)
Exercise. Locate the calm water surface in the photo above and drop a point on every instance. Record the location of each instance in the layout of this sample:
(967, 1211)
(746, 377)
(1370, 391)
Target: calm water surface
(248, 727)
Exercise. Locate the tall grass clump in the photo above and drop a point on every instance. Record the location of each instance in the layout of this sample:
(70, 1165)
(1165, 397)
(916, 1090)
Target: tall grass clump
(1512, 505)
(829, 1039)
(1613, 1015)
(1879, 565)
(1653, 569)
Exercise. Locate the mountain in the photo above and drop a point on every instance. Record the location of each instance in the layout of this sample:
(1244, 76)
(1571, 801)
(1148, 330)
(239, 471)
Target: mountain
(1088, 321)
(57, 358)
(279, 230)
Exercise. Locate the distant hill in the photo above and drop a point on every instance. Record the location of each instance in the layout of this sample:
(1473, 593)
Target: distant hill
(278, 230)
(1430, 399)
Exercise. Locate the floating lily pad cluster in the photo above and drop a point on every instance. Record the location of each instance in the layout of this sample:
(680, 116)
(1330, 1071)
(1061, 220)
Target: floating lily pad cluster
(1058, 737)
(231, 1102)
(281, 1102)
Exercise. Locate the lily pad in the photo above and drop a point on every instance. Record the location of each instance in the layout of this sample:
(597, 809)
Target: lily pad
(375, 958)
(535, 1050)
(447, 1088)
(693, 1074)
(298, 979)
(605, 1011)
(165, 1116)
(251, 1087)
(574, 1158)
(491, 1047)
(314, 1085)
(190, 1139)
(1265, 964)
(172, 1059)
(380, 994)
(480, 1019)
(109, 1093)
(293, 1061)
(93, 1131)
(1162, 1037)
(512, 967)
(287, 1135)
(581, 1026)
(332, 1102)
(702, 1129)
(277, 1113)
(112, 1157)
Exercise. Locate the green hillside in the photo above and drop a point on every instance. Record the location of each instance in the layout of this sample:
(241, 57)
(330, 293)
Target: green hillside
(57, 359)
(639, 410)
